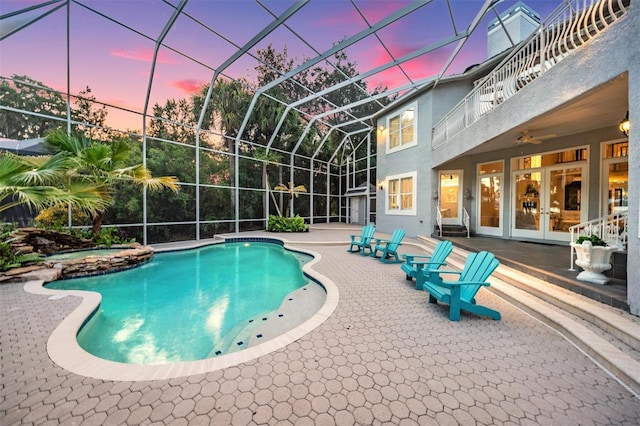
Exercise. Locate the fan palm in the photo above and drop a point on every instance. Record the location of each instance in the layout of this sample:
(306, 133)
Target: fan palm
(104, 165)
(292, 190)
(40, 182)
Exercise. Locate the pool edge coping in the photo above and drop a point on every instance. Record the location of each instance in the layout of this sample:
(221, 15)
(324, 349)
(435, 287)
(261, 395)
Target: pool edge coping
(64, 350)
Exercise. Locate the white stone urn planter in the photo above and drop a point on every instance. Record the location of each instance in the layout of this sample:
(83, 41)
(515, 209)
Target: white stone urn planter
(594, 260)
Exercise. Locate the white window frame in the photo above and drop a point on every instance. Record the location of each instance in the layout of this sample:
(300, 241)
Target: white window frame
(414, 139)
(604, 165)
(400, 211)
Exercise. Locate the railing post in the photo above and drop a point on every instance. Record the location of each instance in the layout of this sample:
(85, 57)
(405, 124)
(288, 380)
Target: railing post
(542, 48)
(573, 250)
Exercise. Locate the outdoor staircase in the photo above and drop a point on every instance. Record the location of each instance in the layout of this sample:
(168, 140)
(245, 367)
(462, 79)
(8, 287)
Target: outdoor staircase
(450, 231)
(608, 335)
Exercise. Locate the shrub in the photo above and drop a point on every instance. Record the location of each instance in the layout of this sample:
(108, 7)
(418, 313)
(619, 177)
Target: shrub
(8, 258)
(107, 236)
(286, 224)
(595, 240)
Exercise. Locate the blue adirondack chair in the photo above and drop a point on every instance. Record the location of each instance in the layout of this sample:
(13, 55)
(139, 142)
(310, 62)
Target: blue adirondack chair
(361, 243)
(389, 248)
(416, 263)
(461, 294)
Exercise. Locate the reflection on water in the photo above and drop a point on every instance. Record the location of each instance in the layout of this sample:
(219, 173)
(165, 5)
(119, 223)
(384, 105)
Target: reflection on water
(180, 305)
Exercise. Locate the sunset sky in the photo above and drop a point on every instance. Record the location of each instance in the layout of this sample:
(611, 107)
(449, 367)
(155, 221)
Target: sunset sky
(115, 60)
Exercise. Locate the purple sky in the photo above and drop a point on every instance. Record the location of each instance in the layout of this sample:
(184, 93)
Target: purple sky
(116, 62)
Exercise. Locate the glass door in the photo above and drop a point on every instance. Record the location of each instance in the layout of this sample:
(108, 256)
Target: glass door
(489, 200)
(548, 201)
(527, 210)
(451, 197)
(566, 201)
(616, 186)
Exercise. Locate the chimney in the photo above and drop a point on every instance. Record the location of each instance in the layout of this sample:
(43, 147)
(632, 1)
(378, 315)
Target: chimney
(519, 20)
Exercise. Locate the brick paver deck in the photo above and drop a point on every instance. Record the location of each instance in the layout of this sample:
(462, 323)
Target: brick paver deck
(383, 357)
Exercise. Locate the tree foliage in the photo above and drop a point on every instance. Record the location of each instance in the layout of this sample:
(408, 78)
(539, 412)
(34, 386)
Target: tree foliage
(25, 93)
(104, 165)
(41, 182)
(267, 132)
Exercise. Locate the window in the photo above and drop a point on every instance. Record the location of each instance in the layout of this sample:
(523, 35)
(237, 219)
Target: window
(401, 191)
(402, 129)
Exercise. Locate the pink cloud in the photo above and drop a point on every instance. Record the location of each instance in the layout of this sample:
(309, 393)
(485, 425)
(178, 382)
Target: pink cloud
(375, 11)
(188, 86)
(144, 55)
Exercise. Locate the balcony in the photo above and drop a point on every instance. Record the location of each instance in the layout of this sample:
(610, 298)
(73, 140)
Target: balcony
(567, 29)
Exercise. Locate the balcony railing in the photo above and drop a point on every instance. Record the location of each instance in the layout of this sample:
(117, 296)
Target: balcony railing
(569, 27)
(612, 229)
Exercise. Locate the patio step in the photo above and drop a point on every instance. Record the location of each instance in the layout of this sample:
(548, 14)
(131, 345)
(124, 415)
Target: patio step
(451, 231)
(609, 335)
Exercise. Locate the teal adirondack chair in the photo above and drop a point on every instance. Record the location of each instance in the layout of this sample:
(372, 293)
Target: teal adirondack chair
(364, 242)
(415, 263)
(461, 294)
(389, 248)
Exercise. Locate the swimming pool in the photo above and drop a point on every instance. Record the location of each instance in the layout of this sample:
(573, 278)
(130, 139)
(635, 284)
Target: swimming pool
(189, 305)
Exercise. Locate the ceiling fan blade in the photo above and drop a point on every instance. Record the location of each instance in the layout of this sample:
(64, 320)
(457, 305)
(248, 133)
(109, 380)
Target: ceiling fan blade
(526, 138)
(549, 136)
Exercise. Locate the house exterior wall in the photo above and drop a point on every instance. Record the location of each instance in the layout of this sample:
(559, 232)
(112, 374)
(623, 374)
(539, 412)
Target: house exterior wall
(614, 54)
(599, 62)
(633, 247)
(416, 158)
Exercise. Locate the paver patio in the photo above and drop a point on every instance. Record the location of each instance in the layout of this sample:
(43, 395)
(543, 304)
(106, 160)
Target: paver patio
(383, 357)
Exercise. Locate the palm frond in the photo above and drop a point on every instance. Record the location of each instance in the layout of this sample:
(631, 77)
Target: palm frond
(170, 182)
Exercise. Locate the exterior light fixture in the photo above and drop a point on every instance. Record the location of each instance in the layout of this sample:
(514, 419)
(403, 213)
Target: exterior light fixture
(467, 194)
(624, 125)
(381, 185)
(434, 195)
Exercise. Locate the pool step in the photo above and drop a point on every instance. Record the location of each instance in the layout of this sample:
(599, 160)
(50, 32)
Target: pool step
(609, 335)
(238, 337)
(299, 306)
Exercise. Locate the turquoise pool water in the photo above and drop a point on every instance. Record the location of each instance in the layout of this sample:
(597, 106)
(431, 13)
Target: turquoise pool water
(186, 305)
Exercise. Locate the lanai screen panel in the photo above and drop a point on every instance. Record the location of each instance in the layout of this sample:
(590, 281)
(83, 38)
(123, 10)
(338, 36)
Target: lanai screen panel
(232, 97)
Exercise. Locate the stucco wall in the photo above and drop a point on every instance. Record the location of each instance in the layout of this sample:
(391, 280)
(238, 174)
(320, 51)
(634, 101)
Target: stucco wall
(599, 62)
(416, 158)
(632, 49)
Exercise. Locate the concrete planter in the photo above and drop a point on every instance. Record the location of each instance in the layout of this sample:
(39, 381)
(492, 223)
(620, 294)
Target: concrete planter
(594, 260)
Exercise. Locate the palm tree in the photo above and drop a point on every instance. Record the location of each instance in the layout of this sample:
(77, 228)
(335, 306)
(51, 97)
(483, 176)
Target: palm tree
(293, 190)
(103, 164)
(267, 157)
(40, 182)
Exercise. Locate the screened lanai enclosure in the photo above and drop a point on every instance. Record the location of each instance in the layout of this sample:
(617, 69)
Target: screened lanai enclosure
(259, 108)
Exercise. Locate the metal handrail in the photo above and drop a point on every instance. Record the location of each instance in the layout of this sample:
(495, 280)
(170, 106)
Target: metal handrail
(439, 217)
(569, 27)
(612, 229)
(466, 219)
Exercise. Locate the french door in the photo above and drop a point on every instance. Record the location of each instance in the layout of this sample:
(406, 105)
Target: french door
(451, 197)
(547, 201)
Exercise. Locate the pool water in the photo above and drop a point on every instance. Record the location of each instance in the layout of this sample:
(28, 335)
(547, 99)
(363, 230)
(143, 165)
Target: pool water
(186, 305)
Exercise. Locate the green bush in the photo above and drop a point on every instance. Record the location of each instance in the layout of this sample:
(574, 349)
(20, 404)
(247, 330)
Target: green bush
(107, 236)
(286, 224)
(10, 259)
(595, 240)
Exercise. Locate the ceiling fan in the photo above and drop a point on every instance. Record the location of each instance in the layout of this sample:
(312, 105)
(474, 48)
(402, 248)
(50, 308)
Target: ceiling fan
(525, 137)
